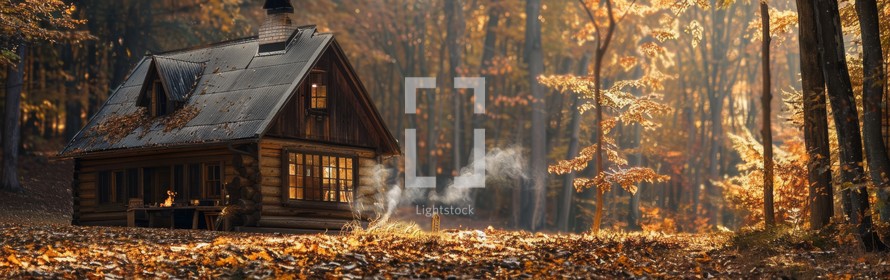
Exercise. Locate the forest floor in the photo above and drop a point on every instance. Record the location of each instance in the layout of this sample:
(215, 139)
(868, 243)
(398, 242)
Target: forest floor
(37, 242)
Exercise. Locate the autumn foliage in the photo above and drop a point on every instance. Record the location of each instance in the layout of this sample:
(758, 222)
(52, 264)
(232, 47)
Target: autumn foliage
(745, 191)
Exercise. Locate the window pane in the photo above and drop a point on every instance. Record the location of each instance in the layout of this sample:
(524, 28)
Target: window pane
(120, 182)
(104, 187)
(179, 182)
(213, 181)
(195, 181)
(133, 183)
(319, 177)
(148, 185)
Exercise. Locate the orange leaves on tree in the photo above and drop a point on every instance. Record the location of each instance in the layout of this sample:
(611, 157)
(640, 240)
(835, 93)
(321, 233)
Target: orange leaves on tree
(745, 191)
(37, 20)
(664, 34)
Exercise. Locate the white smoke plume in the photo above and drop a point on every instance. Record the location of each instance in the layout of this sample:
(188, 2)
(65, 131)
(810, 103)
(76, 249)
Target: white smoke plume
(501, 165)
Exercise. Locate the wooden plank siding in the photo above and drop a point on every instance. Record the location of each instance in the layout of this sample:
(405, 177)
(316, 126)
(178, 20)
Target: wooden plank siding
(343, 120)
(311, 215)
(88, 211)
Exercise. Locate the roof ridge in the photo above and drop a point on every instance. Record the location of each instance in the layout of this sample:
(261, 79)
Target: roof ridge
(211, 45)
(180, 60)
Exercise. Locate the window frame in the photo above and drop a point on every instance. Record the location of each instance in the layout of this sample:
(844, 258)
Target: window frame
(118, 195)
(205, 179)
(159, 108)
(285, 179)
(311, 96)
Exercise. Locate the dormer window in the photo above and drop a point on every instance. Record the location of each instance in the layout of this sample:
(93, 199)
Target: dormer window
(318, 92)
(159, 104)
(168, 84)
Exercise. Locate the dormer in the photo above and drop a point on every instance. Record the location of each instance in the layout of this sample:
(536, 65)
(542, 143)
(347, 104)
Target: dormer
(168, 84)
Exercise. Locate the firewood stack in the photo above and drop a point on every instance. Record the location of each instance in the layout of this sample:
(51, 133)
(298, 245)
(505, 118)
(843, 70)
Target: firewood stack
(244, 200)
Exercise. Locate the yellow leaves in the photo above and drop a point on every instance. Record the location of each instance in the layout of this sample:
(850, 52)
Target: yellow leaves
(651, 49)
(568, 83)
(628, 178)
(704, 4)
(627, 62)
(260, 255)
(631, 109)
(792, 100)
(782, 25)
(13, 259)
(695, 30)
(231, 260)
(745, 191)
(663, 34)
(576, 164)
(36, 22)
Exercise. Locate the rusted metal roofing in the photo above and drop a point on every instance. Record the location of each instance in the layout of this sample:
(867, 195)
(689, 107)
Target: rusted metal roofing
(235, 94)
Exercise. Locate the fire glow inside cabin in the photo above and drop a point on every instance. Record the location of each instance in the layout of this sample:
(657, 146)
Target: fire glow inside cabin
(278, 128)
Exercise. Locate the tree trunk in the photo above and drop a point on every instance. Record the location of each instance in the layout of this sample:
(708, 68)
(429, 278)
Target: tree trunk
(73, 106)
(846, 119)
(11, 129)
(488, 52)
(601, 48)
(538, 160)
(568, 187)
(768, 211)
(815, 130)
(454, 38)
(872, 96)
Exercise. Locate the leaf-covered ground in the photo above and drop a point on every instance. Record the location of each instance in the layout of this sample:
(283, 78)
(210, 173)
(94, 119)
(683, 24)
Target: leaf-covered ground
(36, 242)
(42, 251)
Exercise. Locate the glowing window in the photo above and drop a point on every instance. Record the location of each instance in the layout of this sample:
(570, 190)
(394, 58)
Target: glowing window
(315, 177)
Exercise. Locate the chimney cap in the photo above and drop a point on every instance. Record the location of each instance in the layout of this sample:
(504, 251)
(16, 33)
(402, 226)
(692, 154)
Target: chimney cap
(278, 6)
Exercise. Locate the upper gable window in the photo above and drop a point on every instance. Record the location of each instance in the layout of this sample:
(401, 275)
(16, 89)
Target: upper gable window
(318, 91)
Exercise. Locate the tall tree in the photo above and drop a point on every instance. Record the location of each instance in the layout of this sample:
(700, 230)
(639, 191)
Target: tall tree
(766, 100)
(538, 160)
(454, 38)
(12, 125)
(815, 128)
(25, 22)
(73, 106)
(872, 96)
(602, 45)
(846, 120)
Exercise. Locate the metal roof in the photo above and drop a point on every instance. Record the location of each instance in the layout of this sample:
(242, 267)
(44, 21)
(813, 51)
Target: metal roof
(178, 76)
(237, 93)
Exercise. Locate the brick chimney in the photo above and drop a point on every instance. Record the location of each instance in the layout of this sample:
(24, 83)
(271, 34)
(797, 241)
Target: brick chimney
(277, 27)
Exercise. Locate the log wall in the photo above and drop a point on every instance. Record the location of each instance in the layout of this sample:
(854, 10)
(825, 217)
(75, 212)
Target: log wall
(88, 211)
(278, 213)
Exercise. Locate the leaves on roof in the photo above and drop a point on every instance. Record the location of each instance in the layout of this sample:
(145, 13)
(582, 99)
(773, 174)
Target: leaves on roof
(116, 127)
(179, 118)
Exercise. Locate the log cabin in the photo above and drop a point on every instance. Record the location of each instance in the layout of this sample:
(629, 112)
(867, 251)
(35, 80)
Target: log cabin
(275, 129)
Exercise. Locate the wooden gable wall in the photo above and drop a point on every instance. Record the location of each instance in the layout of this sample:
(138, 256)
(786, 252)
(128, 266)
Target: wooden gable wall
(345, 122)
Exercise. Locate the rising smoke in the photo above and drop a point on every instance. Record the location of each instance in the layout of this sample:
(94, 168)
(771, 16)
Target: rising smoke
(504, 167)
